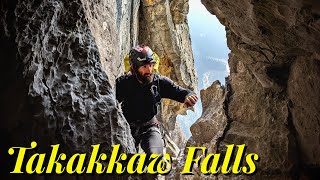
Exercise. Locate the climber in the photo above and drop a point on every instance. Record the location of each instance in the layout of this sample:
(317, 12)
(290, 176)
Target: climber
(140, 91)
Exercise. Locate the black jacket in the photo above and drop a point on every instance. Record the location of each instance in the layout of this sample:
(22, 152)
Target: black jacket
(140, 101)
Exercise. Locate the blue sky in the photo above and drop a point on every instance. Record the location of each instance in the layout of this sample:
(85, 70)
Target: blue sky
(210, 51)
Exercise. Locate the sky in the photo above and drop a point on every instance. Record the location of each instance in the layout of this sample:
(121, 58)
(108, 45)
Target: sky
(210, 51)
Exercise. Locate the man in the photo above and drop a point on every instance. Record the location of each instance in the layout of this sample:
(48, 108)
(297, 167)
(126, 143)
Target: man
(140, 93)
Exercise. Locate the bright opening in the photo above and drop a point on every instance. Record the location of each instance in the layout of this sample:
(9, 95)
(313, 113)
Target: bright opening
(210, 51)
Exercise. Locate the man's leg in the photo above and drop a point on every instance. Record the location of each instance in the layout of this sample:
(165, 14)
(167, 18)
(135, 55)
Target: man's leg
(152, 142)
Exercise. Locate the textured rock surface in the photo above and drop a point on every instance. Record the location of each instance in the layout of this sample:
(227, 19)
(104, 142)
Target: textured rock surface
(100, 16)
(178, 136)
(163, 26)
(127, 25)
(114, 25)
(61, 62)
(58, 92)
(175, 141)
(272, 103)
(303, 91)
(55, 89)
(209, 127)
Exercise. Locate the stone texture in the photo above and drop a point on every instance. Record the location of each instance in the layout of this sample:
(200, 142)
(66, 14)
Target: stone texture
(163, 26)
(178, 136)
(128, 28)
(259, 120)
(61, 59)
(272, 101)
(209, 127)
(175, 141)
(57, 91)
(304, 107)
(61, 62)
(100, 16)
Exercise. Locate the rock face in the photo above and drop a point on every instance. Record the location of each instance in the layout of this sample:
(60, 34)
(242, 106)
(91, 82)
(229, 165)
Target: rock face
(272, 101)
(127, 20)
(60, 62)
(303, 87)
(54, 88)
(163, 26)
(209, 127)
(60, 59)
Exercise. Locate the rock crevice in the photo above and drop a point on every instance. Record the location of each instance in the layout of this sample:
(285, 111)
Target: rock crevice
(273, 70)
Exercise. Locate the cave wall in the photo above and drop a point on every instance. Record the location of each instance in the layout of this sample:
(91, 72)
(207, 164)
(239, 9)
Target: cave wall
(272, 99)
(55, 88)
(127, 20)
(60, 62)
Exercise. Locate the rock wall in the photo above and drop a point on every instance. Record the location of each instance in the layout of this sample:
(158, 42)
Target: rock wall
(55, 89)
(209, 127)
(61, 59)
(127, 16)
(163, 26)
(60, 62)
(272, 101)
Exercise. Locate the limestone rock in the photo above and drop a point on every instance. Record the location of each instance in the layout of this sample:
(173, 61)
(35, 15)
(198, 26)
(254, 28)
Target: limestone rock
(213, 119)
(272, 102)
(128, 28)
(164, 28)
(61, 59)
(175, 141)
(304, 102)
(100, 16)
(178, 136)
(67, 97)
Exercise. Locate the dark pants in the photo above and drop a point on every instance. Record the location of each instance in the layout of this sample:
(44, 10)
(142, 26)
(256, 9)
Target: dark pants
(151, 141)
(149, 138)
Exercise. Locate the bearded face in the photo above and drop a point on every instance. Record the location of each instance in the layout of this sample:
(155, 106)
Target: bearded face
(145, 73)
(146, 78)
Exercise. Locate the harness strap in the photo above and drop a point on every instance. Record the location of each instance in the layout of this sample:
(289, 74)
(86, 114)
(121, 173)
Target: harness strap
(139, 126)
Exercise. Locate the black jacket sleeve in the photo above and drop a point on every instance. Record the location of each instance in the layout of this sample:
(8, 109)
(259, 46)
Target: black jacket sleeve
(119, 89)
(168, 89)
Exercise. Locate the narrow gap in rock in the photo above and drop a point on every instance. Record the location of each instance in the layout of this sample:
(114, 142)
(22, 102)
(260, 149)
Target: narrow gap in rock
(210, 51)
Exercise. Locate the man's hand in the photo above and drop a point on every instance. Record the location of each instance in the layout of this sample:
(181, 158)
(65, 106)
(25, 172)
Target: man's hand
(191, 100)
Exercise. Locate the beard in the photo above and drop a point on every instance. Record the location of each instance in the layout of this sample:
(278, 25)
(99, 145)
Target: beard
(146, 78)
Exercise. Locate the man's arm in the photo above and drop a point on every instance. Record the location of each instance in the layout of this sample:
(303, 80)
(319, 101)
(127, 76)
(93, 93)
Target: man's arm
(168, 89)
